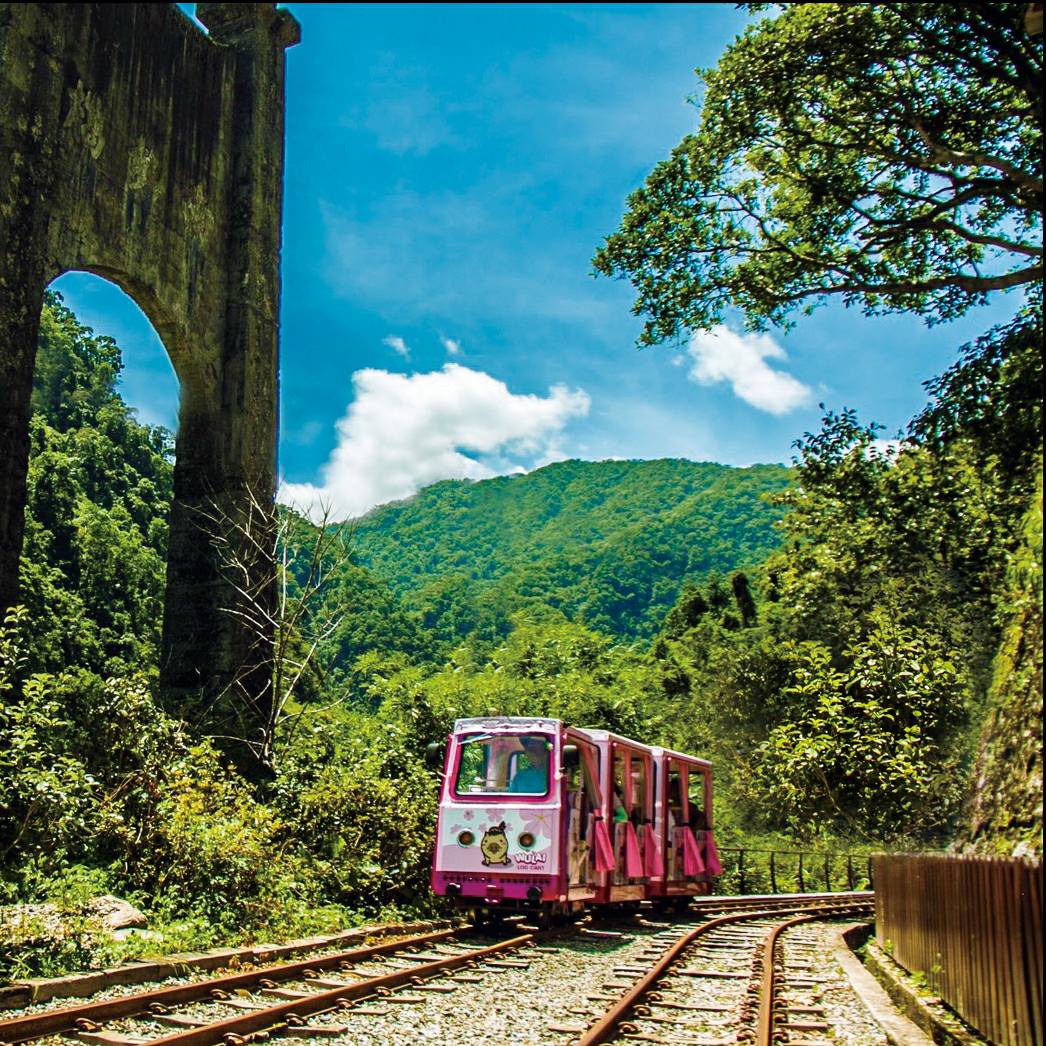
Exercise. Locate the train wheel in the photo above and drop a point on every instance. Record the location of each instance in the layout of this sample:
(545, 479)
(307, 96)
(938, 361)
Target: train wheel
(487, 918)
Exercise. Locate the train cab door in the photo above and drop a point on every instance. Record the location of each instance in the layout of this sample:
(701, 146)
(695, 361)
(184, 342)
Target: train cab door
(697, 800)
(697, 822)
(583, 804)
(695, 854)
(632, 806)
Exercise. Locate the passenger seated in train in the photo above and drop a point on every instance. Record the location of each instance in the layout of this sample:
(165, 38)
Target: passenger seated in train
(532, 779)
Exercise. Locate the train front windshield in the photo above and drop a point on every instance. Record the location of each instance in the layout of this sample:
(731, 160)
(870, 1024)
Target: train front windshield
(503, 764)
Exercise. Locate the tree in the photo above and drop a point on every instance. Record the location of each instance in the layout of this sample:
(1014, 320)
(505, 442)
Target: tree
(885, 154)
(861, 744)
(98, 489)
(292, 633)
(1006, 804)
(991, 399)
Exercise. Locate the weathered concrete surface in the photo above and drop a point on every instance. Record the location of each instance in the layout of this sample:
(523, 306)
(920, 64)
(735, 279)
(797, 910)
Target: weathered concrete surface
(136, 147)
(898, 1029)
(927, 1012)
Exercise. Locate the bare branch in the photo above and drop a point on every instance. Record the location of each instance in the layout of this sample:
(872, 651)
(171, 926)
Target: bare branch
(973, 284)
(967, 159)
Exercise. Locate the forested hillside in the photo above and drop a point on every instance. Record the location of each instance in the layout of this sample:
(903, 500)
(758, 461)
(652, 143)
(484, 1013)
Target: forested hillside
(99, 488)
(605, 544)
(609, 544)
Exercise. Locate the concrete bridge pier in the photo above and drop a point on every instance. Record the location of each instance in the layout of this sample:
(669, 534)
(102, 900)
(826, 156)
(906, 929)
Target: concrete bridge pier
(144, 150)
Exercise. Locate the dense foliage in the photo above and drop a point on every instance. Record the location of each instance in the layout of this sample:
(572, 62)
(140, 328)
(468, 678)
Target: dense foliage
(99, 484)
(1007, 806)
(885, 154)
(609, 544)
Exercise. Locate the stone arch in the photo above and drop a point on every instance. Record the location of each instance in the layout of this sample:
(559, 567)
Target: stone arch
(169, 331)
(150, 153)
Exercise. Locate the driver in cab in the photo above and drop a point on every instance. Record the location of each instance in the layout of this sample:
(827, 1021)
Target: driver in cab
(533, 778)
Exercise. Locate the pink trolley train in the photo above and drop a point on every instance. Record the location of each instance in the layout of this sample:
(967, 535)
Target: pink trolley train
(535, 814)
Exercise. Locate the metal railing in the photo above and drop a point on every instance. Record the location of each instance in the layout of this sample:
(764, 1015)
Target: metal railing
(748, 870)
(971, 927)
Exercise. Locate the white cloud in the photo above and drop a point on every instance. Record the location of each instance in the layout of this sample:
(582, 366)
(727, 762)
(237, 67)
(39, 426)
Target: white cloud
(402, 432)
(453, 347)
(723, 355)
(398, 345)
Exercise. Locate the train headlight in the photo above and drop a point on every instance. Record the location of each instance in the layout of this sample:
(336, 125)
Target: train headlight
(526, 840)
(466, 838)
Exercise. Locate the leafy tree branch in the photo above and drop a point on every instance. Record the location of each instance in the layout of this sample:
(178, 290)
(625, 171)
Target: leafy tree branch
(885, 154)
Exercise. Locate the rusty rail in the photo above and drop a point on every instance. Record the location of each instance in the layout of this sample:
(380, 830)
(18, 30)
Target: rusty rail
(290, 1013)
(604, 1028)
(53, 1022)
(972, 927)
(606, 1025)
(764, 1032)
(778, 901)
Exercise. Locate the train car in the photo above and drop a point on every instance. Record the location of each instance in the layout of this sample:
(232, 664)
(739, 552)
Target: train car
(626, 796)
(683, 828)
(514, 812)
(537, 814)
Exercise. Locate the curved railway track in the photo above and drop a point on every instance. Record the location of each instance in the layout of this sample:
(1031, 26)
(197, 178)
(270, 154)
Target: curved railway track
(685, 1001)
(321, 996)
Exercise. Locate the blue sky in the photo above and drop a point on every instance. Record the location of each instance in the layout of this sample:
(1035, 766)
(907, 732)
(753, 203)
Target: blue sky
(450, 172)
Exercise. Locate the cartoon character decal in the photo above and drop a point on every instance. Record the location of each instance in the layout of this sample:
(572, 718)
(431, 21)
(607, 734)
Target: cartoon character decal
(502, 840)
(494, 845)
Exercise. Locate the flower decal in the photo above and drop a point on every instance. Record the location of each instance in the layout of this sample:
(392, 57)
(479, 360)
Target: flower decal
(537, 822)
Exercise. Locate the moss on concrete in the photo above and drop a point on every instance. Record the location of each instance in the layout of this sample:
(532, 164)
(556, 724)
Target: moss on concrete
(1006, 803)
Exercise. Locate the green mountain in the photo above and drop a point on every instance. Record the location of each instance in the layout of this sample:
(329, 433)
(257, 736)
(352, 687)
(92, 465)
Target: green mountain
(608, 544)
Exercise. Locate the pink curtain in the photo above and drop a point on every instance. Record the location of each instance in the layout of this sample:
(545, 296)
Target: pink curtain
(633, 858)
(653, 861)
(604, 848)
(712, 855)
(692, 863)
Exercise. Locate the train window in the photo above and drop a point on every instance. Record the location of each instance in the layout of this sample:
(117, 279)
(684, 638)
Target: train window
(620, 813)
(503, 763)
(696, 791)
(675, 795)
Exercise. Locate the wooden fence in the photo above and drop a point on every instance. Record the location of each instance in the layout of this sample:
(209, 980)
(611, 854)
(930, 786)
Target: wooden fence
(972, 926)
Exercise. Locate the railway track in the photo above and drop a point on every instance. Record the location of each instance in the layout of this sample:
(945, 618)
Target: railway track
(362, 995)
(236, 1009)
(685, 996)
